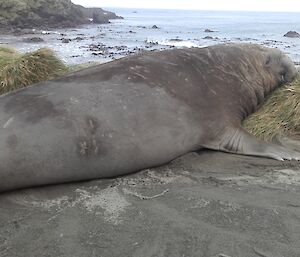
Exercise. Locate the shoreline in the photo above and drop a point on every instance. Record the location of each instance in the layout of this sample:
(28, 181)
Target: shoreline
(86, 43)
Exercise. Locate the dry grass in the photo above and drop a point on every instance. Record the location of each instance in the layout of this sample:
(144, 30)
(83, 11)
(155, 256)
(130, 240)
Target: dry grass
(280, 115)
(20, 70)
(7, 55)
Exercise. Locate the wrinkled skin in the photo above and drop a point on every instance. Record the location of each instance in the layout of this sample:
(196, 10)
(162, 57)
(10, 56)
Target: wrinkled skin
(138, 112)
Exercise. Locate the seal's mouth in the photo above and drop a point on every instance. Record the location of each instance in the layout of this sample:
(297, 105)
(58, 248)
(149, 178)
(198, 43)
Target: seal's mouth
(282, 78)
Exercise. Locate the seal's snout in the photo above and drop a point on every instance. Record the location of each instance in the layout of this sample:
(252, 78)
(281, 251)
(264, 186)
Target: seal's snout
(290, 74)
(288, 68)
(281, 64)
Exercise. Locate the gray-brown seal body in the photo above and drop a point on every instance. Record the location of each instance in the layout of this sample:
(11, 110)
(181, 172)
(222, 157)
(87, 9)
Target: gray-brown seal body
(137, 112)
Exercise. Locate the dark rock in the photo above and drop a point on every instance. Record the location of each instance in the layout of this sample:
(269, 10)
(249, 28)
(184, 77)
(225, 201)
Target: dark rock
(209, 30)
(176, 40)
(98, 15)
(292, 34)
(121, 48)
(155, 27)
(151, 43)
(208, 37)
(66, 40)
(99, 19)
(99, 47)
(33, 40)
(79, 38)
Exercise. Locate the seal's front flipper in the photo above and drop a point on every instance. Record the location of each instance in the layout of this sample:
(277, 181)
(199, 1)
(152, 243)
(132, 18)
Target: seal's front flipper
(237, 140)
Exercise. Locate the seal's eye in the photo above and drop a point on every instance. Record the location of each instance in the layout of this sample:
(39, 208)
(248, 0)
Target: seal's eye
(268, 60)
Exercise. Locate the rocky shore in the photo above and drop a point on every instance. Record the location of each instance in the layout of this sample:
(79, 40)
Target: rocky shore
(82, 35)
(17, 16)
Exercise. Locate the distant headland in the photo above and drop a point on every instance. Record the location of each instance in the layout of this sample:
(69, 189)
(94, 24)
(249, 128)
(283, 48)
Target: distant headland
(39, 14)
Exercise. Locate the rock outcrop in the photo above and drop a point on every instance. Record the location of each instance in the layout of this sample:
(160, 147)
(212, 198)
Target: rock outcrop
(209, 30)
(99, 15)
(293, 34)
(21, 14)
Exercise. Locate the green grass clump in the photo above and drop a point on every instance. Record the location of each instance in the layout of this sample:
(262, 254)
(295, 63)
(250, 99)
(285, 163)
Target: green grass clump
(279, 115)
(20, 70)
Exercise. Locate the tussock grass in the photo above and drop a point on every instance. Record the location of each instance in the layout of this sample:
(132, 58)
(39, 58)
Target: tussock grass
(7, 55)
(20, 70)
(279, 115)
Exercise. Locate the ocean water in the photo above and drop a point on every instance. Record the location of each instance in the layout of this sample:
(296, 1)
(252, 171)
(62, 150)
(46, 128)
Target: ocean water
(265, 28)
(176, 28)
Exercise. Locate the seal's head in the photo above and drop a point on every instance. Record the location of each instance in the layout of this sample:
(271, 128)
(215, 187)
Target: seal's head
(280, 64)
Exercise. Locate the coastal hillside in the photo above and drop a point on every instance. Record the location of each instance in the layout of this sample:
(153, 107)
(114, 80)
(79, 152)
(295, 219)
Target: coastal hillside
(48, 14)
(99, 15)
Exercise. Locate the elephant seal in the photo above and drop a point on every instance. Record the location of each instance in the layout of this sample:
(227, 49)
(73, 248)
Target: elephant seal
(138, 112)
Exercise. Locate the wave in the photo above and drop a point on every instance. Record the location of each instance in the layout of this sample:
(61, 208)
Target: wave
(176, 42)
(48, 32)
